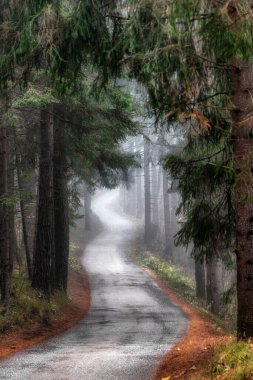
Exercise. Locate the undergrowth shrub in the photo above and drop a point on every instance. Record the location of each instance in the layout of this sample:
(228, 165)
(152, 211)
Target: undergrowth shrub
(28, 305)
(233, 361)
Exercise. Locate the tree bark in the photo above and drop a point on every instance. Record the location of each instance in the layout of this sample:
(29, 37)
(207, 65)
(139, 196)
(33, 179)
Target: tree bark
(154, 196)
(87, 207)
(44, 252)
(166, 210)
(200, 276)
(24, 224)
(12, 208)
(61, 203)
(148, 232)
(242, 89)
(242, 135)
(214, 288)
(4, 215)
(4, 223)
(139, 209)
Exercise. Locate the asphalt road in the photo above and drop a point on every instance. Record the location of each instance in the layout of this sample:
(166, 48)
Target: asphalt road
(131, 323)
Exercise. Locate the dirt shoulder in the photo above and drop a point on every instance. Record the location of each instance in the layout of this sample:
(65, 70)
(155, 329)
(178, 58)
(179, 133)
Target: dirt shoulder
(195, 351)
(72, 314)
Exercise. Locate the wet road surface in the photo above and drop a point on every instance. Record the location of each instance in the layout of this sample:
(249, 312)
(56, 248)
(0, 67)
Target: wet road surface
(131, 323)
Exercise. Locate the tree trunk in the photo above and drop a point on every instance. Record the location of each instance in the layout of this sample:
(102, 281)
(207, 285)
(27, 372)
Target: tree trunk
(44, 253)
(242, 135)
(87, 207)
(139, 209)
(242, 88)
(4, 217)
(166, 210)
(214, 285)
(27, 184)
(148, 232)
(61, 204)
(200, 276)
(154, 197)
(24, 224)
(4, 224)
(11, 210)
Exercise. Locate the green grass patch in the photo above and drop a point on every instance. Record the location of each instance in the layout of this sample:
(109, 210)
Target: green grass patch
(233, 361)
(171, 275)
(28, 305)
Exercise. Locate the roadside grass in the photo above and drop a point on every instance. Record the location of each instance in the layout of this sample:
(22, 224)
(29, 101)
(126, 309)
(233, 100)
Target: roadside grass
(171, 275)
(175, 279)
(28, 305)
(233, 361)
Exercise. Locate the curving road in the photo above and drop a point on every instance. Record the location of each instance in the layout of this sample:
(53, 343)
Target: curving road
(131, 323)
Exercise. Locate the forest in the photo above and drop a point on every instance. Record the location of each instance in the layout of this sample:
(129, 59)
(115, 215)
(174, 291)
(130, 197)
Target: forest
(153, 98)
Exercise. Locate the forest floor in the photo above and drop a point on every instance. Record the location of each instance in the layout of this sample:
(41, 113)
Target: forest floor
(62, 321)
(72, 313)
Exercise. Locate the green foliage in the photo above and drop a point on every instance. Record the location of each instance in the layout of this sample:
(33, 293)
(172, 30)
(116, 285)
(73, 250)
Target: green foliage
(10, 200)
(205, 178)
(99, 124)
(233, 361)
(35, 97)
(171, 275)
(59, 37)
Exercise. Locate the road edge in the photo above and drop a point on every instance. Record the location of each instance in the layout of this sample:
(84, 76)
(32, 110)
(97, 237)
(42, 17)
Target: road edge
(191, 355)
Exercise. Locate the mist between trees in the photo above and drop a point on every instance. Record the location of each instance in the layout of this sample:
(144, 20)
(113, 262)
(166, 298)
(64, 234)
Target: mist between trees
(65, 114)
(154, 196)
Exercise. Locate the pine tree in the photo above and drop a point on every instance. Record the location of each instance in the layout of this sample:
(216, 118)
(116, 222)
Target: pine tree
(192, 56)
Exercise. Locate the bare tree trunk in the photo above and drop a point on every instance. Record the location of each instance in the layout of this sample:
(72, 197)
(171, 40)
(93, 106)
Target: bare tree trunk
(154, 197)
(4, 215)
(139, 212)
(61, 203)
(215, 287)
(242, 88)
(11, 209)
(200, 279)
(44, 252)
(87, 207)
(241, 91)
(24, 225)
(166, 210)
(148, 229)
(4, 224)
